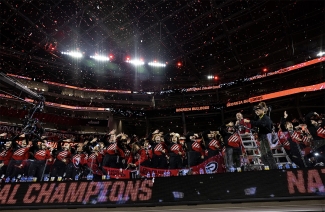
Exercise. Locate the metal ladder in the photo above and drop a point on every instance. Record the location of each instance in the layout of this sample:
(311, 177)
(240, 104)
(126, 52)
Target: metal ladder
(251, 151)
(279, 152)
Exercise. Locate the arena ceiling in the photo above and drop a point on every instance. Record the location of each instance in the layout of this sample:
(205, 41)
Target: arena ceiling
(230, 39)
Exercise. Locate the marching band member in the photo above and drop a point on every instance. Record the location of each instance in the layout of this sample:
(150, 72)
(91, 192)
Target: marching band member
(5, 157)
(94, 161)
(41, 155)
(18, 163)
(242, 126)
(232, 143)
(176, 152)
(138, 156)
(62, 158)
(112, 152)
(160, 152)
(212, 141)
(196, 149)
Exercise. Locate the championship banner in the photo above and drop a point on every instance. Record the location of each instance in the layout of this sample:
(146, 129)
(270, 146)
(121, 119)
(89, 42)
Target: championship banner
(114, 173)
(212, 165)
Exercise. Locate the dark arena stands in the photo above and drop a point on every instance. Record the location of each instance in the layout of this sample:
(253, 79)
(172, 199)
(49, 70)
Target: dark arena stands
(192, 104)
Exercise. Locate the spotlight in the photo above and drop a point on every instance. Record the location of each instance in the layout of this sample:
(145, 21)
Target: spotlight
(264, 69)
(210, 77)
(136, 62)
(215, 77)
(100, 58)
(179, 64)
(316, 153)
(154, 63)
(73, 54)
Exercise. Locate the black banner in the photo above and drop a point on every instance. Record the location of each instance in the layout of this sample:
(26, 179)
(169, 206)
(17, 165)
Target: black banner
(209, 188)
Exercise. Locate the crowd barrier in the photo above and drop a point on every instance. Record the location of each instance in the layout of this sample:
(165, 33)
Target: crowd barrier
(267, 185)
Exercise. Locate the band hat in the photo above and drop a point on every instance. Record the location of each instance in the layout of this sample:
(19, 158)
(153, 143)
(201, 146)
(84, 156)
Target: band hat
(258, 107)
(182, 138)
(67, 140)
(22, 136)
(230, 124)
(94, 140)
(3, 134)
(176, 135)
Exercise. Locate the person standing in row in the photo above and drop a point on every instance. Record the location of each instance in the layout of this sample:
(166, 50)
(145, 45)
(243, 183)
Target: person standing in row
(263, 124)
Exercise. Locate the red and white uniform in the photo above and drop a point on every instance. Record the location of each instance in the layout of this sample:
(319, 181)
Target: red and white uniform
(159, 147)
(139, 157)
(284, 139)
(296, 136)
(43, 154)
(93, 161)
(113, 149)
(214, 144)
(196, 146)
(84, 158)
(64, 155)
(21, 154)
(5, 156)
(176, 149)
(246, 128)
(234, 140)
(321, 132)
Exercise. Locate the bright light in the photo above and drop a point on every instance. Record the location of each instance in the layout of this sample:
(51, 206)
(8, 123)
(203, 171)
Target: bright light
(264, 69)
(210, 77)
(316, 154)
(73, 54)
(320, 54)
(215, 77)
(136, 62)
(157, 64)
(100, 58)
(179, 64)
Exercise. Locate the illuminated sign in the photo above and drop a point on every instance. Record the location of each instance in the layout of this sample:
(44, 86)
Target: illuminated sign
(309, 88)
(286, 184)
(185, 109)
(77, 192)
(86, 89)
(280, 71)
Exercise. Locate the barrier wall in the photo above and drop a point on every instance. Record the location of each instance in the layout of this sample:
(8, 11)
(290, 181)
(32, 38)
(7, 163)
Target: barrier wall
(209, 188)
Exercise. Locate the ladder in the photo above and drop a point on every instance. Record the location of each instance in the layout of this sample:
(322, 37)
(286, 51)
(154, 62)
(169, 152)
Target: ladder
(251, 159)
(279, 153)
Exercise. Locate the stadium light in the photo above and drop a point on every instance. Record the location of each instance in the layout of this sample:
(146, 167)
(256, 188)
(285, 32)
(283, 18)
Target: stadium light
(73, 54)
(320, 54)
(156, 64)
(136, 62)
(210, 77)
(100, 58)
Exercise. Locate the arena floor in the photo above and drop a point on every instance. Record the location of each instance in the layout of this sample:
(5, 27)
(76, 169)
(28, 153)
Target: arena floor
(301, 205)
